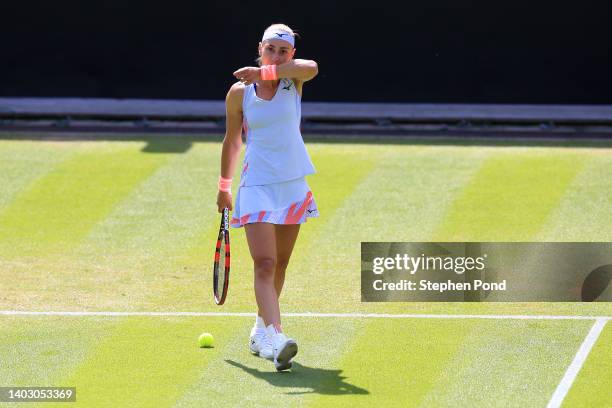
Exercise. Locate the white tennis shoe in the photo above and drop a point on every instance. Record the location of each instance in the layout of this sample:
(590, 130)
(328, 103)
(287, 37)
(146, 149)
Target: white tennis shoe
(284, 348)
(260, 343)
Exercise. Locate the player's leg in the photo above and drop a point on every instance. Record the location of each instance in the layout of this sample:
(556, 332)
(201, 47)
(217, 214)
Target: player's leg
(262, 245)
(261, 238)
(284, 348)
(286, 235)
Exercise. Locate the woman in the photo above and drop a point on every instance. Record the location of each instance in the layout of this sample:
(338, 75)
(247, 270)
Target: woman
(273, 198)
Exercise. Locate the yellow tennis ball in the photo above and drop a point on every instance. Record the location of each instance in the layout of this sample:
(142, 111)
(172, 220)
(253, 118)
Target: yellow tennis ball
(205, 340)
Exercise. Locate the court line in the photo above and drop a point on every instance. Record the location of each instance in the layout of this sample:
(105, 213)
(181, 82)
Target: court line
(307, 314)
(579, 359)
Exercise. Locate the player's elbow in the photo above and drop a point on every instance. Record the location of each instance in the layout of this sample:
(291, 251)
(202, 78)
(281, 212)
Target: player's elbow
(233, 141)
(313, 68)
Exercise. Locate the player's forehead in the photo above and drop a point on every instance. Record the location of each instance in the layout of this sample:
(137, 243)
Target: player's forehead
(275, 43)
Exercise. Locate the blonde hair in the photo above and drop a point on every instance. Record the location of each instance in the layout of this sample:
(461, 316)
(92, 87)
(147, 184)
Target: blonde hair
(279, 26)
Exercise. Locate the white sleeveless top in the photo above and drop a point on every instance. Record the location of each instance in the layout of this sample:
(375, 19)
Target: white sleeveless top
(275, 150)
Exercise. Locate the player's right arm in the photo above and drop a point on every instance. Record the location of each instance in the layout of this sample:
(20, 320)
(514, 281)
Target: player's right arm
(232, 143)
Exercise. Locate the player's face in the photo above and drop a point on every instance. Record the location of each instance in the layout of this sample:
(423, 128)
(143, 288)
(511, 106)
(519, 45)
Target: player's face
(275, 52)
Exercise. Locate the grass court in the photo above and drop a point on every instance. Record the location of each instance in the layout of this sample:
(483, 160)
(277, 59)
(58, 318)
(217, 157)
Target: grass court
(129, 226)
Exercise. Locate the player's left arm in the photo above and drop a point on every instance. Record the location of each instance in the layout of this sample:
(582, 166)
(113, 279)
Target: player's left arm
(299, 70)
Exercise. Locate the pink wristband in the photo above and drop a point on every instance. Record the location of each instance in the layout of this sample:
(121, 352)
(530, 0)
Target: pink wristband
(268, 72)
(225, 184)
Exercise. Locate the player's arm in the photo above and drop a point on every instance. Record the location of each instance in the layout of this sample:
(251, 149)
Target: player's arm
(232, 142)
(299, 70)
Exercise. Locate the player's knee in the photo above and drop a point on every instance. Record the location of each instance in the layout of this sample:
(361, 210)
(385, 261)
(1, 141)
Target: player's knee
(264, 267)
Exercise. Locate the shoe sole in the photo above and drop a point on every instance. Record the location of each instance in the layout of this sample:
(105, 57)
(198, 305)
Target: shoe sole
(258, 354)
(283, 360)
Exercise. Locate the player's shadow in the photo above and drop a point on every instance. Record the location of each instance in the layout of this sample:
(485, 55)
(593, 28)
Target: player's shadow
(168, 145)
(319, 380)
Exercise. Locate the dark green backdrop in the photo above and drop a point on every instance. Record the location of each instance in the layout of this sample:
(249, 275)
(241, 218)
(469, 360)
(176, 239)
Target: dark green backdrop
(426, 51)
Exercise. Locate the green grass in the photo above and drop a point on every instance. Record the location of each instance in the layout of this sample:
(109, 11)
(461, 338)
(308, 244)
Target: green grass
(510, 197)
(129, 226)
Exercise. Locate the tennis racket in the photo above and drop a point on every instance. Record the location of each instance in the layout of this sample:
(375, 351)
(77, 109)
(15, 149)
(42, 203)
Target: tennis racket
(221, 268)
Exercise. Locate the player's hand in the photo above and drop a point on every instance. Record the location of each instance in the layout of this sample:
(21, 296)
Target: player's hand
(224, 199)
(248, 75)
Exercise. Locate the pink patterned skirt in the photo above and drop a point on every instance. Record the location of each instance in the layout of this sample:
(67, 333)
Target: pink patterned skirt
(289, 202)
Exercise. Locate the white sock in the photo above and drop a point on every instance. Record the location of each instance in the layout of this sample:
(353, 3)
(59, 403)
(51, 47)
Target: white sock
(259, 323)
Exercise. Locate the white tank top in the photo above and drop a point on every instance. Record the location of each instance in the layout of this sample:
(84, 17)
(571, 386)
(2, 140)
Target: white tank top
(275, 150)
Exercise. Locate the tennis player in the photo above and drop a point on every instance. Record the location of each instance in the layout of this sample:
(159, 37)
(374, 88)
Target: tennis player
(273, 198)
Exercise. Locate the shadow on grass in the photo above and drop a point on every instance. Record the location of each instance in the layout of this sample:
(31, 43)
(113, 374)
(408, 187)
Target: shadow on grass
(319, 380)
(157, 145)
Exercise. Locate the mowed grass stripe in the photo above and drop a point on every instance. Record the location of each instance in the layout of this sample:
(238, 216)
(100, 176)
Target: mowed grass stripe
(59, 209)
(404, 186)
(585, 212)
(140, 247)
(164, 211)
(364, 338)
(397, 201)
(23, 162)
(148, 361)
(126, 251)
(396, 361)
(508, 363)
(400, 200)
(511, 196)
(63, 207)
(490, 209)
(38, 350)
(593, 386)
(421, 186)
(126, 259)
(549, 176)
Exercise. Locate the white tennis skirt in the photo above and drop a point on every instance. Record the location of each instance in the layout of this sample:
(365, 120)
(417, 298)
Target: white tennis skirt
(289, 202)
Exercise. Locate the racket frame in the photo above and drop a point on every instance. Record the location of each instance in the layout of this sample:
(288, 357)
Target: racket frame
(222, 241)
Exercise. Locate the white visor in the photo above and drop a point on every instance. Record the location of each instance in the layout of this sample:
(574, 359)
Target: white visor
(278, 35)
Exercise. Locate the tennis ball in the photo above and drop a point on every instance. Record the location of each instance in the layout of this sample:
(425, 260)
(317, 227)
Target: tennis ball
(205, 340)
